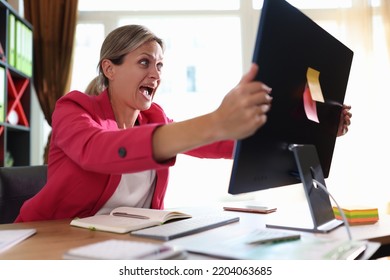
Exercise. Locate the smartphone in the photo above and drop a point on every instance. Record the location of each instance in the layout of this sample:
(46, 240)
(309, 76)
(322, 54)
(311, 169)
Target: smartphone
(250, 209)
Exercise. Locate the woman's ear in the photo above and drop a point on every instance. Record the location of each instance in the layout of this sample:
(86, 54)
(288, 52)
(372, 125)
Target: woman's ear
(108, 69)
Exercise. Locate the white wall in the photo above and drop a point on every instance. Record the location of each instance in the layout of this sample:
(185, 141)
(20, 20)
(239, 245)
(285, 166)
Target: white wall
(39, 131)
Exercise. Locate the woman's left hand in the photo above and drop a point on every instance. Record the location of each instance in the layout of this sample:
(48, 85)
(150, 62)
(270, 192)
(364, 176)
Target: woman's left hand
(345, 120)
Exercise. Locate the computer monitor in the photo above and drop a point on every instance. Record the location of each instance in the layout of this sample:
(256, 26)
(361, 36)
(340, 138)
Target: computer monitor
(301, 62)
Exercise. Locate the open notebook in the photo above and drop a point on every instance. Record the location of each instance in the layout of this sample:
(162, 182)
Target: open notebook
(126, 219)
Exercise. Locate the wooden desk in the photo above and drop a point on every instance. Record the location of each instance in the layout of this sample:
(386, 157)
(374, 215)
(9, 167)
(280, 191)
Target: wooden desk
(54, 238)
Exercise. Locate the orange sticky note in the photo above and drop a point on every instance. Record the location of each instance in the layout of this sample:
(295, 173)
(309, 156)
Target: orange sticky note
(313, 80)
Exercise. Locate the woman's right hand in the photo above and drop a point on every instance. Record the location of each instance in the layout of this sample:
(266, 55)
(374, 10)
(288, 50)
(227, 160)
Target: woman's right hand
(244, 108)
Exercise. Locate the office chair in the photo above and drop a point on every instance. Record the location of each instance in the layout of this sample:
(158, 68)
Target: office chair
(17, 184)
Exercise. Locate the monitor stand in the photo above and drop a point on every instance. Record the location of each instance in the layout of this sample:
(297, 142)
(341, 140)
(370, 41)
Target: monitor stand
(318, 200)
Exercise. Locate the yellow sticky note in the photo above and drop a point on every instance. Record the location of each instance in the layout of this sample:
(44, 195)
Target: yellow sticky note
(313, 80)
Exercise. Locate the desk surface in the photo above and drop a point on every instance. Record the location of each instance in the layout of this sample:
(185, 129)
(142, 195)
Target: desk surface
(54, 238)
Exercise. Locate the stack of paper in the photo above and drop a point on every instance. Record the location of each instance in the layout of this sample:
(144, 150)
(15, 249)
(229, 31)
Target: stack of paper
(114, 249)
(358, 215)
(9, 238)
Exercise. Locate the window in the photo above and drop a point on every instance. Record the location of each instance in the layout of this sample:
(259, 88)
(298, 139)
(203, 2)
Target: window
(193, 61)
(89, 38)
(158, 5)
(202, 61)
(310, 4)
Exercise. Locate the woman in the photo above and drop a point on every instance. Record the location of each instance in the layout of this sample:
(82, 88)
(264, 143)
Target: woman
(115, 148)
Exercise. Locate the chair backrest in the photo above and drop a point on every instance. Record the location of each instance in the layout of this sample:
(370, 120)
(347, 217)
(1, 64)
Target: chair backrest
(17, 184)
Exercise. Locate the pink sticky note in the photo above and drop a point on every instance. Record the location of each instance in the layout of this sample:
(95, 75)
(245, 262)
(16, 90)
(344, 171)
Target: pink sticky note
(310, 105)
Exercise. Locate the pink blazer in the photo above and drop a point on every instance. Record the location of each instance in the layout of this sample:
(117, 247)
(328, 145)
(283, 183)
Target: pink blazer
(88, 154)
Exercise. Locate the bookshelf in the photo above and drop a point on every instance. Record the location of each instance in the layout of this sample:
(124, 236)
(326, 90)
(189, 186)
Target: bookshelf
(15, 87)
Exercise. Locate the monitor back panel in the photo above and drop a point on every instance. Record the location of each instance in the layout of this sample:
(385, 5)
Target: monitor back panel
(288, 43)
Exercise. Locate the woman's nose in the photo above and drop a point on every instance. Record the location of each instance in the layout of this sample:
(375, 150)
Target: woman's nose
(155, 72)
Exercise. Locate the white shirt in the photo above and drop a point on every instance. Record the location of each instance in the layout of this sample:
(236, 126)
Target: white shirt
(134, 190)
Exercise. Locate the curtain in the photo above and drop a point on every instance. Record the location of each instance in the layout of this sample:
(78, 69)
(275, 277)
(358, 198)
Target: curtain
(54, 24)
(357, 172)
(385, 12)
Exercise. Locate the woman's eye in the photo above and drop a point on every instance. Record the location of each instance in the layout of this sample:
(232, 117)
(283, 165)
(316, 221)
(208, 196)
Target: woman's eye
(144, 62)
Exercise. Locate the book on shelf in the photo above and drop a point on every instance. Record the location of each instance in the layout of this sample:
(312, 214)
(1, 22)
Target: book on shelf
(20, 47)
(125, 219)
(2, 93)
(2, 54)
(114, 249)
(11, 39)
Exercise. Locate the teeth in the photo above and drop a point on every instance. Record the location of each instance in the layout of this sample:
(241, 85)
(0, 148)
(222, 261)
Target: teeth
(147, 90)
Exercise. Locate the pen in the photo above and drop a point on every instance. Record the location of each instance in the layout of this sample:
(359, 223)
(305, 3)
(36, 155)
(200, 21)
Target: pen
(127, 215)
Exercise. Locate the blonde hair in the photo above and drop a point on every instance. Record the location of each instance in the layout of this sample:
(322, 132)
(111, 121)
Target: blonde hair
(120, 42)
(94, 87)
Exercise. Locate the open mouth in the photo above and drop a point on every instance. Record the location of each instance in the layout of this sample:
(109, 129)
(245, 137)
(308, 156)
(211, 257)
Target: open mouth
(147, 91)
